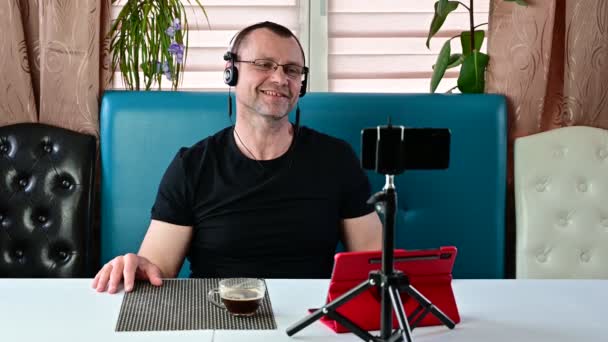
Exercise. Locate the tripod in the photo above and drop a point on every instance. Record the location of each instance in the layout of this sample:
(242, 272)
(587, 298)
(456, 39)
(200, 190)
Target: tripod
(389, 283)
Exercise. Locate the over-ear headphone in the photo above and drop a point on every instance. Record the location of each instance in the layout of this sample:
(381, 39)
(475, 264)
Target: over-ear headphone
(231, 73)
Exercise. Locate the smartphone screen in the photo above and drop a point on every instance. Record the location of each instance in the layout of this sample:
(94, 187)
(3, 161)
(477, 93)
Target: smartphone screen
(427, 148)
(422, 148)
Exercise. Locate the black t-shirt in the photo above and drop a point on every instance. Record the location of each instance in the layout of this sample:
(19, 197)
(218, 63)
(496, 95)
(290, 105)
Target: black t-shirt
(278, 218)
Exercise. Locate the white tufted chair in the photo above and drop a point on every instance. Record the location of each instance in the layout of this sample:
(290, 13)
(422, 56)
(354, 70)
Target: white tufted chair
(561, 201)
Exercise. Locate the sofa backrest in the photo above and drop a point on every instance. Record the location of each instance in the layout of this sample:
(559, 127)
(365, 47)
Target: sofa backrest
(560, 204)
(461, 206)
(47, 178)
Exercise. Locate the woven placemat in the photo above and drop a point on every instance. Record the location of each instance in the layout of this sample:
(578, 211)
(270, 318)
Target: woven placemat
(181, 304)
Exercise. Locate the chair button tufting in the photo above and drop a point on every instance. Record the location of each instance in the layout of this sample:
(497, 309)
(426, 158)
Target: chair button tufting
(559, 152)
(47, 147)
(541, 258)
(602, 153)
(4, 148)
(19, 253)
(562, 222)
(585, 257)
(540, 187)
(66, 184)
(63, 255)
(582, 187)
(42, 218)
(5, 221)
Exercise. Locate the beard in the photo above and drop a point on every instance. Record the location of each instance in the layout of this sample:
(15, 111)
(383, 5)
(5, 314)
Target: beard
(271, 110)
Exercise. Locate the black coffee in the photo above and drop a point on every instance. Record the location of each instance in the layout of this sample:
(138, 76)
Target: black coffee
(241, 301)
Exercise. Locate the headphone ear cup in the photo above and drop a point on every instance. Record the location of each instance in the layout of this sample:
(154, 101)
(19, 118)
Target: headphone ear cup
(231, 75)
(303, 87)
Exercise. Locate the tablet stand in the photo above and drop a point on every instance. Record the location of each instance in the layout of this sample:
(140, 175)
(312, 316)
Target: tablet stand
(389, 283)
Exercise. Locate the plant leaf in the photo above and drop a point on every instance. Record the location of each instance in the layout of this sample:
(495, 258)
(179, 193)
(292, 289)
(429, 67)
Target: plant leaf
(472, 73)
(455, 60)
(441, 65)
(519, 2)
(442, 9)
(138, 41)
(465, 41)
(204, 12)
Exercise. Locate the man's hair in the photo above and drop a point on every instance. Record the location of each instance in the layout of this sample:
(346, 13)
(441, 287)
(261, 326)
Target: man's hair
(275, 28)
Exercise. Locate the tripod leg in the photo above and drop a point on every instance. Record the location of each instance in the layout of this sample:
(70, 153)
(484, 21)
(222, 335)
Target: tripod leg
(352, 327)
(406, 333)
(428, 307)
(308, 320)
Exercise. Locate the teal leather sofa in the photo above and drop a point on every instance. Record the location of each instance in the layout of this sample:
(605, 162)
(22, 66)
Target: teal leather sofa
(462, 206)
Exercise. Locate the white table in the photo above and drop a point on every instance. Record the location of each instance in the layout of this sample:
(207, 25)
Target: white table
(491, 310)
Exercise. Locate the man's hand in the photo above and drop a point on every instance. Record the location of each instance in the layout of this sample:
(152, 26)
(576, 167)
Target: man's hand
(129, 266)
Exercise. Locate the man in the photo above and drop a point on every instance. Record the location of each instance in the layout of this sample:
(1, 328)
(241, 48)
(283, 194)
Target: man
(263, 198)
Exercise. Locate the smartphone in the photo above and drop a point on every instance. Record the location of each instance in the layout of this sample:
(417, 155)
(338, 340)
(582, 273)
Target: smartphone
(393, 149)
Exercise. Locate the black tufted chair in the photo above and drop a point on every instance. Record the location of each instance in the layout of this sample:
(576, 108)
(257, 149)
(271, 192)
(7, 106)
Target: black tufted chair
(46, 201)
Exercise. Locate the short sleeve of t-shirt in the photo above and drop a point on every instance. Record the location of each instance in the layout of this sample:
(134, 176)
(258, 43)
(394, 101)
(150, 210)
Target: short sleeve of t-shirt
(173, 202)
(355, 187)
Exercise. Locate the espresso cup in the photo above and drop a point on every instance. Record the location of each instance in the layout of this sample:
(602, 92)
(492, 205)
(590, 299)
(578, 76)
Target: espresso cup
(239, 296)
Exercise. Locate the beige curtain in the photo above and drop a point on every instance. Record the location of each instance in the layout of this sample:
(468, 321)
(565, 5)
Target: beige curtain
(551, 61)
(54, 62)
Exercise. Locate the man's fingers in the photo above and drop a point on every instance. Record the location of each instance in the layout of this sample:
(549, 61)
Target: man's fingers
(116, 274)
(104, 276)
(131, 263)
(96, 280)
(127, 268)
(153, 273)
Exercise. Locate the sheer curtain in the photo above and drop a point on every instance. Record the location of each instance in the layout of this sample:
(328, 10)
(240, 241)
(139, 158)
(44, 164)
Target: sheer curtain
(54, 62)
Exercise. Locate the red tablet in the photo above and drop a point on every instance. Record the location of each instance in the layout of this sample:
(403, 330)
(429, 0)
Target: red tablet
(429, 271)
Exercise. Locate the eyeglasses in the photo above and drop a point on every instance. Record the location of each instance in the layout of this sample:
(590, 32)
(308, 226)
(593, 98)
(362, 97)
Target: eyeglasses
(265, 65)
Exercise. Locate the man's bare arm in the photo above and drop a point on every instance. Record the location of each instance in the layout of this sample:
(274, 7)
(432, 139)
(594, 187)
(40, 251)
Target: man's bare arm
(160, 256)
(166, 245)
(362, 233)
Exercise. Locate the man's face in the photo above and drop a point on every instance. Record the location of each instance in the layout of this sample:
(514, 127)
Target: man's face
(272, 94)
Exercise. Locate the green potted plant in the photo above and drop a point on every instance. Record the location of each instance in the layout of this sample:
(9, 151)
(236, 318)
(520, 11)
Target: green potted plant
(472, 62)
(150, 37)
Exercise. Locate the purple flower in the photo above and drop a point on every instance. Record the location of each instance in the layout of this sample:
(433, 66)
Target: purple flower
(170, 31)
(179, 57)
(166, 70)
(176, 24)
(176, 48)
